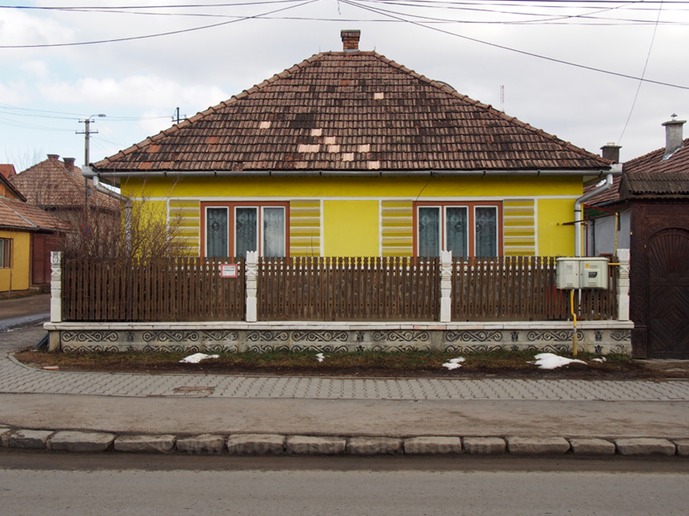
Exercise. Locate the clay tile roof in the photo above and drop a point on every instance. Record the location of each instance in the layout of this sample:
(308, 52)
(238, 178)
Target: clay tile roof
(653, 175)
(22, 216)
(7, 170)
(607, 196)
(57, 185)
(7, 189)
(343, 111)
(650, 175)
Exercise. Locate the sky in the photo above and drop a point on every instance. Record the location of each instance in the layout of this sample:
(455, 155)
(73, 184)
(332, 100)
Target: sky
(590, 73)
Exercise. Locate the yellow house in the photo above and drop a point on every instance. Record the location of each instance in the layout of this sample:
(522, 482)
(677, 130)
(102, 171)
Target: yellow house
(24, 232)
(351, 154)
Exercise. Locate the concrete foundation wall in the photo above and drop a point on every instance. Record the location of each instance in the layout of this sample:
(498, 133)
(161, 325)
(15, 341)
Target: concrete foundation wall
(602, 337)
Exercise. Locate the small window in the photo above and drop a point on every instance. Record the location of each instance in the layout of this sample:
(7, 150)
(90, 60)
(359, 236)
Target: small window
(5, 253)
(233, 229)
(466, 229)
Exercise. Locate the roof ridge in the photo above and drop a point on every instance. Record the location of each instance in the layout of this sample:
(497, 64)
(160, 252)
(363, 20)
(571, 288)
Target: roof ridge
(660, 151)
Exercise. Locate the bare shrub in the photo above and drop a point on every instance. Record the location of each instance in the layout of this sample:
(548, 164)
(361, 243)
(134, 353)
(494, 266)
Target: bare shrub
(135, 232)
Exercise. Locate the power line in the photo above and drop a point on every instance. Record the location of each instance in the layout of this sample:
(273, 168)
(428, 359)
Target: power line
(399, 16)
(60, 115)
(156, 35)
(643, 74)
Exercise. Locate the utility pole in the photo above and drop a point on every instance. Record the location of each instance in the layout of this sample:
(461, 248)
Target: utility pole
(176, 117)
(87, 132)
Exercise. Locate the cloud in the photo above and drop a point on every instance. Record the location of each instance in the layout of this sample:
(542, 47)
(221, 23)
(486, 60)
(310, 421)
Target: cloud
(135, 92)
(36, 68)
(13, 93)
(24, 28)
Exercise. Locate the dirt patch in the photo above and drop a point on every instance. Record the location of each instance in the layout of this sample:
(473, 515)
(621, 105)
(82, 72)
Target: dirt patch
(422, 364)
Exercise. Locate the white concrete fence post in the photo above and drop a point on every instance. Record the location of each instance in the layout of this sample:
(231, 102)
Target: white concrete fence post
(445, 286)
(55, 286)
(623, 285)
(55, 298)
(251, 286)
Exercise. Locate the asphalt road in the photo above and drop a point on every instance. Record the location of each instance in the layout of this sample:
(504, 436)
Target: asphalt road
(47, 484)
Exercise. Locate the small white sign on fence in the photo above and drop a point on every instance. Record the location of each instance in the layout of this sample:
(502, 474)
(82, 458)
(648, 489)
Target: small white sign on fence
(229, 270)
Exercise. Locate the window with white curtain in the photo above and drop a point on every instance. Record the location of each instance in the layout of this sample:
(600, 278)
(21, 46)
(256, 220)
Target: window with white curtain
(466, 229)
(233, 229)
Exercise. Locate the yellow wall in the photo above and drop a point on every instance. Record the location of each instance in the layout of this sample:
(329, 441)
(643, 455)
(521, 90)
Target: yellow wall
(351, 228)
(18, 276)
(536, 208)
(337, 187)
(555, 231)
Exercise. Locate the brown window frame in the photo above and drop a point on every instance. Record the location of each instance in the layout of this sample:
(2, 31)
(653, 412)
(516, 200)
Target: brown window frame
(471, 222)
(231, 238)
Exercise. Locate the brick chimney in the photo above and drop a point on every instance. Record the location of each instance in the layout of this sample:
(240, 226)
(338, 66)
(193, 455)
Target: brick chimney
(53, 157)
(69, 163)
(611, 151)
(673, 135)
(350, 40)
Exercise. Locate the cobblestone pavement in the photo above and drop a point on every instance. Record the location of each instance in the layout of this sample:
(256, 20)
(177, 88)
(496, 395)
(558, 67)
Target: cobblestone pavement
(18, 378)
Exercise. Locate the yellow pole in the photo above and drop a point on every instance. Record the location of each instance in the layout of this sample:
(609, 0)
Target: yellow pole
(574, 323)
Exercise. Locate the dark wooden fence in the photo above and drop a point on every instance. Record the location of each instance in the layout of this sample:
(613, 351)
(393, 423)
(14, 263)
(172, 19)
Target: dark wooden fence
(325, 289)
(522, 288)
(177, 289)
(349, 289)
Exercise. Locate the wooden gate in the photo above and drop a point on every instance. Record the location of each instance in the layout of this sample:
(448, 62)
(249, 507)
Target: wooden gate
(668, 294)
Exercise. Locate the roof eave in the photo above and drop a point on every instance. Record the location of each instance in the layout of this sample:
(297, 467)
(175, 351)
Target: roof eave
(584, 172)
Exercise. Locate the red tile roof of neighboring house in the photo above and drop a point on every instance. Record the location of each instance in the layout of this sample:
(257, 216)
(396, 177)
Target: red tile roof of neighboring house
(650, 175)
(350, 111)
(19, 215)
(656, 175)
(607, 196)
(7, 187)
(7, 170)
(56, 184)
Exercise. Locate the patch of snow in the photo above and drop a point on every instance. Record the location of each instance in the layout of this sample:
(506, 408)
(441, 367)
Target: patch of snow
(553, 361)
(601, 360)
(320, 357)
(454, 363)
(196, 358)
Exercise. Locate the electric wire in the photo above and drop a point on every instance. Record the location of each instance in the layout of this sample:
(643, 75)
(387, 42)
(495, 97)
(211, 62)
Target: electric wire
(157, 35)
(643, 74)
(400, 17)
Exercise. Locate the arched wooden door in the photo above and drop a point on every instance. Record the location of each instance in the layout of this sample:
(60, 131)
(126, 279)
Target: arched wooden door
(668, 294)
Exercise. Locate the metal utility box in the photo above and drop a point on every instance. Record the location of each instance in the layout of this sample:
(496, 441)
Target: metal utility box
(582, 272)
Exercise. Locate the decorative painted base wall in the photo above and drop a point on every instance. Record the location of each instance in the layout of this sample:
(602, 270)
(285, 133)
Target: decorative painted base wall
(601, 337)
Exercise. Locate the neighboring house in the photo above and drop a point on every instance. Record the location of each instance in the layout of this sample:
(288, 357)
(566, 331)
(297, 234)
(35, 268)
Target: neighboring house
(27, 234)
(59, 187)
(607, 216)
(651, 202)
(351, 154)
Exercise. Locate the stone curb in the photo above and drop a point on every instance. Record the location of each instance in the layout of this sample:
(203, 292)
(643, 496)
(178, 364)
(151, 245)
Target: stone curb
(19, 322)
(277, 444)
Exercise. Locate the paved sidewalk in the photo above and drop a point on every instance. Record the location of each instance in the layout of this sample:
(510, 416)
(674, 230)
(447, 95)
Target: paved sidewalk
(192, 404)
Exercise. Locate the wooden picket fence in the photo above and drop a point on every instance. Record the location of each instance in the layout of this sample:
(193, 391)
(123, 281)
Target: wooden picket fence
(348, 289)
(522, 288)
(176, 289)
(325, 289)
